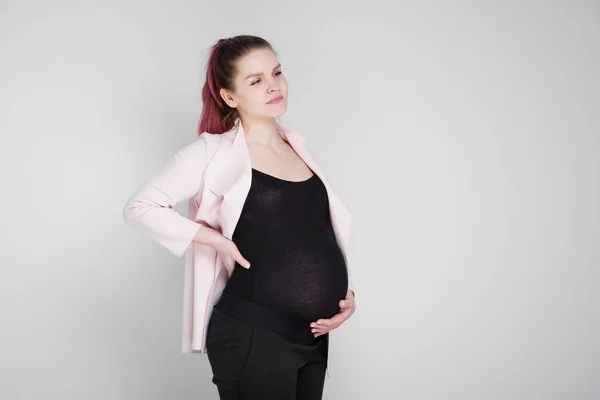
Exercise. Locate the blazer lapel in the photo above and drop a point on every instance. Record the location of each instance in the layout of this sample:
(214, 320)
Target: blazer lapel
(239, 169)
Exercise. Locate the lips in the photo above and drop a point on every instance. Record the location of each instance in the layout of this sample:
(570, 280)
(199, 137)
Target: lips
(275, 100)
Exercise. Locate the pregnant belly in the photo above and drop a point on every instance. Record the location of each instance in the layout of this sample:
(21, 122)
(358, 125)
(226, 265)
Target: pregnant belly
(307, 284)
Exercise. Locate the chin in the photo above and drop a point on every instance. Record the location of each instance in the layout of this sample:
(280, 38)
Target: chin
(276, 113)
(271, 112)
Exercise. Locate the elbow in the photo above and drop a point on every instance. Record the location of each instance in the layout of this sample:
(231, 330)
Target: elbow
(137, 211)
(131, 211)
(127, 213)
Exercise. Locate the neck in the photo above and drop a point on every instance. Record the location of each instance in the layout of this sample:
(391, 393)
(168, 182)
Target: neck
(261, 131)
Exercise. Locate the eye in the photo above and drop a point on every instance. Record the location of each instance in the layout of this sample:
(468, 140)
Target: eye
(257, 81)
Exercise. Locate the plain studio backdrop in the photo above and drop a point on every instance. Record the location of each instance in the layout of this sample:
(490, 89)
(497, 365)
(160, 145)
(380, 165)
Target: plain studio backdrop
(463, 136)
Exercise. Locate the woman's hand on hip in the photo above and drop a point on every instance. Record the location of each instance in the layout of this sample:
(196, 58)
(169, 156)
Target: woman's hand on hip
(347, 308)
(230, 254)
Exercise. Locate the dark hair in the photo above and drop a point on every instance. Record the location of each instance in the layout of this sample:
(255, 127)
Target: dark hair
(217, 116)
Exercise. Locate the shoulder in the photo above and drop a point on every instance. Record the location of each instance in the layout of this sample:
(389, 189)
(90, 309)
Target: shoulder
(199, 150)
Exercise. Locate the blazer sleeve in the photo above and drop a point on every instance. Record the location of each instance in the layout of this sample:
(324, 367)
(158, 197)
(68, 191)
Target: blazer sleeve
(150, 208)
(350, 280)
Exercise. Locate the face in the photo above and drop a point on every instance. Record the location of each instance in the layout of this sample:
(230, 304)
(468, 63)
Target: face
(259, 80)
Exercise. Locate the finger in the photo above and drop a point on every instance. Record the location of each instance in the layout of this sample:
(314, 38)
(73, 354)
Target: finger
(333, 322)
(326, 322)
(242, 261)
(339, 318)
(231, 269)
(347, 303)
(318, 327)
(320, 330)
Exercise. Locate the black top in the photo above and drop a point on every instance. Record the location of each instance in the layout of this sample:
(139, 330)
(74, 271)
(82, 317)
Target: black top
(285, 232)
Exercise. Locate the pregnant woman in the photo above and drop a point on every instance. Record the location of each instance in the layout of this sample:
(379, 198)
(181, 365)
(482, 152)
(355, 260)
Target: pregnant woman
(287, 284)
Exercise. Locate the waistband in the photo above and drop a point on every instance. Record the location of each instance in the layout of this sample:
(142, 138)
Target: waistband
(287, 326)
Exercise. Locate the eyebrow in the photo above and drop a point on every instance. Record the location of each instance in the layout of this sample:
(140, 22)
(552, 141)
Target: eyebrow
(260, 73)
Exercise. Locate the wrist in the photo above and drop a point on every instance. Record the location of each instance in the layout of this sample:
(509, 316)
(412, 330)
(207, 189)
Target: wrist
(216, 240)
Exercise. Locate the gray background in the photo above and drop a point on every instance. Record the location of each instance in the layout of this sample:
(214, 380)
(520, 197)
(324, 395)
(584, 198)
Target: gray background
(464, 137)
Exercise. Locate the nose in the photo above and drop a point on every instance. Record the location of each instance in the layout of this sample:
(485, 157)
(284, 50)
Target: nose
(273, 86)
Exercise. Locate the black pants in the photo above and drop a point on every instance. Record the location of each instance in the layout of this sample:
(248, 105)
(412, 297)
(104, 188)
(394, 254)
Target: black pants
(258, 354)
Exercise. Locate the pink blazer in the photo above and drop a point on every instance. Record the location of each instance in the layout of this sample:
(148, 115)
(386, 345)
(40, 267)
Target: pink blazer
(213, 173)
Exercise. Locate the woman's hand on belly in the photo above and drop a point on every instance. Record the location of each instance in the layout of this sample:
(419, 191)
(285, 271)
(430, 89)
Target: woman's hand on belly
(347, 308)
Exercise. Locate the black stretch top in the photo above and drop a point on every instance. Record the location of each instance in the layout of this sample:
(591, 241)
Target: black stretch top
(285, 232)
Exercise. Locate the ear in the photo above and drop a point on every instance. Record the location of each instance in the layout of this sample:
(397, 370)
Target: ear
(227, 98)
